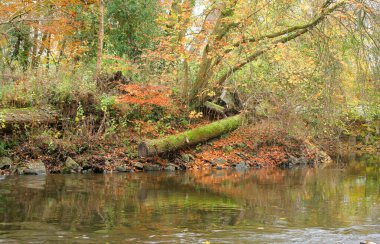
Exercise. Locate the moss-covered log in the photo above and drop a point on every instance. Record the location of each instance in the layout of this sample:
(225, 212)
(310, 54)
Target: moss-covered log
(31, 116)
(190, 137)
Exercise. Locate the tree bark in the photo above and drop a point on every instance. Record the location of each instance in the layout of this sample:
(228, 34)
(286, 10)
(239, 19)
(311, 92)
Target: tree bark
(48, 52)
(100, 38)
(42, 49)
(186, 81)
(190, 137)
(35, 47)
(21, 116)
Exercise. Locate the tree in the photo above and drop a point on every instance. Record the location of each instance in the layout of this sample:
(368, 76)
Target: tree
(228, 35)
(99, 55)
(131, 27)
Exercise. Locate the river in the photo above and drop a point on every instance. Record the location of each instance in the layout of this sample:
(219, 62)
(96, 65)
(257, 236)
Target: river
(339, 204)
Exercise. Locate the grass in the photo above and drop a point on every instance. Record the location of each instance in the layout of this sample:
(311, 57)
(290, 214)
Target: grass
(34, 89)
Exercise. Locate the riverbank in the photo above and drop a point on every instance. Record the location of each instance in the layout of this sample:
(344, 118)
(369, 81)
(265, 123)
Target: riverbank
(262, 145)
(102, 133)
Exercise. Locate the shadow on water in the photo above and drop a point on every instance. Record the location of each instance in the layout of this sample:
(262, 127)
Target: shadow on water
(300, 205)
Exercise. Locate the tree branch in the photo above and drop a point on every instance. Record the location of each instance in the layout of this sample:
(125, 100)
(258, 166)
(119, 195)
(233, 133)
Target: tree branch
(325, 12)
(288, 34)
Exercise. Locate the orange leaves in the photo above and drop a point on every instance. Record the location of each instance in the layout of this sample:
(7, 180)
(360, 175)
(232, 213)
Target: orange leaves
(145, 95)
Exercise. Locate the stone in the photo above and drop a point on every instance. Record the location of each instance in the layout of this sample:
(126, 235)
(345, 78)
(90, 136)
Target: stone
(152, 167)
(71, 164)
(218, 161)
(107, 163)
(36, 167)
(294, 162)
(185, 157)
(20, 170)
(138, 165)
(122, 169)
(303, 160)
(171, 167)
(86, 171)
(242, 166)
(5, 162)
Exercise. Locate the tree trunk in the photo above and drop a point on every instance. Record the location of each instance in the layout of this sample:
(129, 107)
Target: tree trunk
(190, 137)
(61, 54)
(21, 116)
(100, 37)
(186, 82)
(221, 29)
(35, 47)
(42, 49)
(48, 52)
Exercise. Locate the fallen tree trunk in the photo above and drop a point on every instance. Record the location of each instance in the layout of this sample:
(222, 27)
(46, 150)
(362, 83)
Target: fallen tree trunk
(30, 116)
(190, 137)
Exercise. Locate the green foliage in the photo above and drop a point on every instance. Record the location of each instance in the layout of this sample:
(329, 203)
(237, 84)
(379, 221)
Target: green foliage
(106, 103)
(68, 87)
(7, 145)
(132, 26)
(3, 149)
(80, 113)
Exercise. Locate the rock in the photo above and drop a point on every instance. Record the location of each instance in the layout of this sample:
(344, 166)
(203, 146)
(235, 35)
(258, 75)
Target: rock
(218, 161)
(86, 171)
(152, 167)
(303, 160)
(107, 163)
(242, 166)
(71, 164)
(138, 165)
(293, 162)
(122, 169)
(16, 159)
(20, 170)
(36, 167)
(5, 162)
(185, 157)
(171, 167)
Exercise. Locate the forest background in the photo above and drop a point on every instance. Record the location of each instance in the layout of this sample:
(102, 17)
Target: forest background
(311, 68)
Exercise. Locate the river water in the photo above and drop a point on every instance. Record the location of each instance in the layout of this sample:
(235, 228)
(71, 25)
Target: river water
(340, 204)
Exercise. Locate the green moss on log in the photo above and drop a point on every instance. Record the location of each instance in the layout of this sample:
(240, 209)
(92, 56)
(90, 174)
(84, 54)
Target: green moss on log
(190, 137)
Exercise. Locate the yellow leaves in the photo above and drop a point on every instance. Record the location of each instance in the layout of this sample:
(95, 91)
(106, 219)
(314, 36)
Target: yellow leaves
(3, 40)
(2, 121)
(195, 115)
(211, 93)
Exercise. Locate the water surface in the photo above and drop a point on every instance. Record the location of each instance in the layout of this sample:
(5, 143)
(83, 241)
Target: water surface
(340, 204)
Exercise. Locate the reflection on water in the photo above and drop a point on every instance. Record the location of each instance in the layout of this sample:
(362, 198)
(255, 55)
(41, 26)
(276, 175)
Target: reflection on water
(303, 205)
